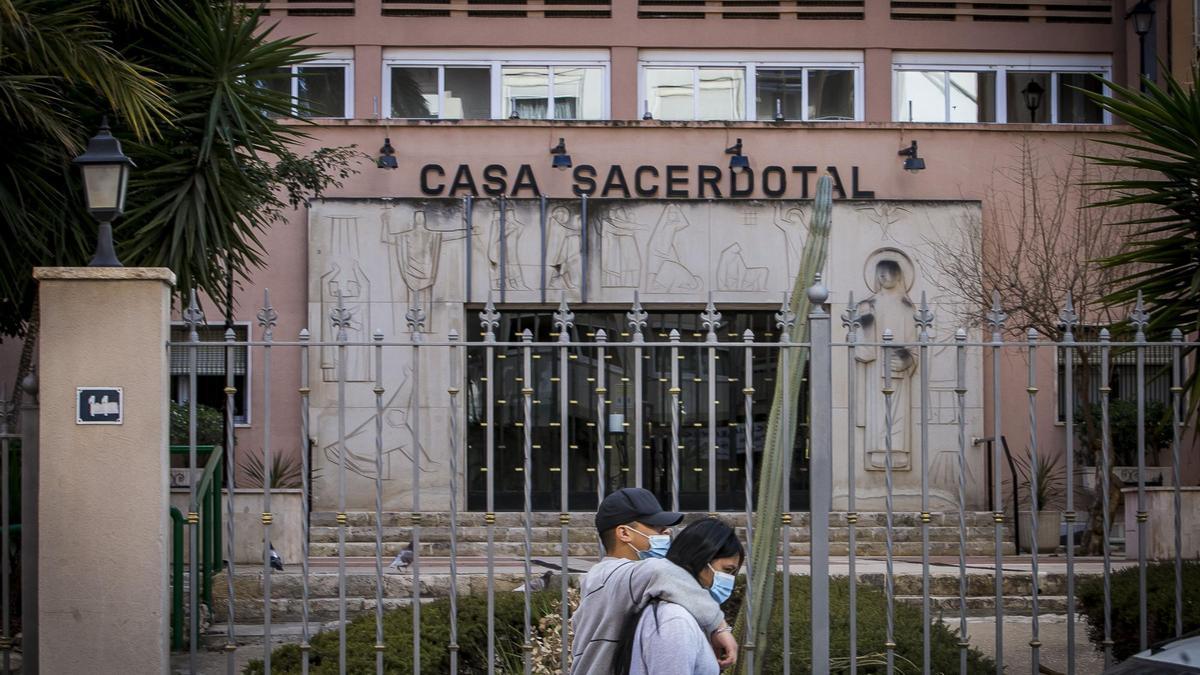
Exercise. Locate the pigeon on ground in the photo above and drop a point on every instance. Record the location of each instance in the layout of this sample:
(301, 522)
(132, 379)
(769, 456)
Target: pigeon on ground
(537, 583)
(403, 559)
(276, 560)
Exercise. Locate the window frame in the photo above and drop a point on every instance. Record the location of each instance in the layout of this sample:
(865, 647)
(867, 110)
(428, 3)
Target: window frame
(334, 59)
(750, 62)
(1001, 65)
(1157, 356)
(178, 391)
(442, 59)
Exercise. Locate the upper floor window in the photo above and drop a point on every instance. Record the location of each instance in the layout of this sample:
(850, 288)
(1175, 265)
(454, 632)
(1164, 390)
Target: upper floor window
(998, 88)
(767, 85)
(212, 367)
(475, 84)
(319, 88)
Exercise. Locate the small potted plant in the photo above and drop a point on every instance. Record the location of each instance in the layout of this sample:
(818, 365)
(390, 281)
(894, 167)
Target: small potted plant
(1048, 470)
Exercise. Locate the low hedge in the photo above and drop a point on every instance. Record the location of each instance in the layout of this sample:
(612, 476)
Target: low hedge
(435, 638)
(1160, 605)
(871, 615)
(472, 627)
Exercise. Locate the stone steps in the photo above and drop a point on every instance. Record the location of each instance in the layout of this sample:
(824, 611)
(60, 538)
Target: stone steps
(576, 534)
(552, 549)
(1014, 605)
(323, 604)
(430, 519)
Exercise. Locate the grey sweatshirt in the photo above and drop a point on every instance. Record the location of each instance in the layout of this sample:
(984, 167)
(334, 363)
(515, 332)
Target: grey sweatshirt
(613, 590)
(669, 642)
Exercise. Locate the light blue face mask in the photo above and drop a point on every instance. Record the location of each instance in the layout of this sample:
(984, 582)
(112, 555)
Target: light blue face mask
(722, 586)
(659, 543)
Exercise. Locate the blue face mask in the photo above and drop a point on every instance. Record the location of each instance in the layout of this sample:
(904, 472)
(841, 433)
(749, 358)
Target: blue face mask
(659, 544)
(722, 586)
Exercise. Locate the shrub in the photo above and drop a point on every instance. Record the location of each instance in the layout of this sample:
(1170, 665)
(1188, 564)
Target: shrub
(871, 615)
(1160, 605)
(1123, 428)
(472, 632)
(210, 425)
(435, 638)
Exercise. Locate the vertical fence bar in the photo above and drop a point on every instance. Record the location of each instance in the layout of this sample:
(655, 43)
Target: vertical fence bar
(230, 469)
(1069, 319)
(340, 318)
(564, 319)
(820, 469)
(960, 393)
(502, 204)
(748, 478)
(377, 336)
(637, 322)
(889, 644)
(469, 242)
(601, 432)
(5, 636)
(1105, 448)
(675, 391)
(995, 320)
(267, 318)
(542, 231)
(193, 317)
(1139, 318)
(453, 390)
(584, 248)
(1176, 425)
(785, 319)
(415, 318)
(852, 321)
(526, 473)
(489, 319)
(924, 319)
(1032, 391)
(30, 459)
(305, 492)
(711, 319)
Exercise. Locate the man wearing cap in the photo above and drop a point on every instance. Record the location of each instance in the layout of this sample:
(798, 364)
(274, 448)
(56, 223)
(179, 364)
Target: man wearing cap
(634, 530)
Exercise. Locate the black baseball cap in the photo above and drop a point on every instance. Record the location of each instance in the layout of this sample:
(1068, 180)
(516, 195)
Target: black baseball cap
(629, 504)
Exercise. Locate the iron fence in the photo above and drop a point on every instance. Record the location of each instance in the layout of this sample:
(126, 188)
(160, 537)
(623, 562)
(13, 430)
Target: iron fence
(877, 363)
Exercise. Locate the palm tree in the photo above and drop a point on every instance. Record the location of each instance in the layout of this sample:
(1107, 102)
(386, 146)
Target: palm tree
(216, 163)
(1160, 159)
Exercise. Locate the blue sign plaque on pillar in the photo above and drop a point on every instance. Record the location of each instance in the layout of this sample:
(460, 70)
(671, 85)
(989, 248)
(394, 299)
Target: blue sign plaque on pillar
(99, 405)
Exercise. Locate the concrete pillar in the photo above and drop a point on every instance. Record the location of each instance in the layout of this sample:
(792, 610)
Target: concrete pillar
(103, 498)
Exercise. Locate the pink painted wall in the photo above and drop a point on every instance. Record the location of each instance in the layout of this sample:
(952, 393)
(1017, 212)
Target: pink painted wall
(962, 162)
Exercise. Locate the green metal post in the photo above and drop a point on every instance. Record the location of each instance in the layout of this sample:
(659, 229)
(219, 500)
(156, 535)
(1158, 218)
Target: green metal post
(176, 579)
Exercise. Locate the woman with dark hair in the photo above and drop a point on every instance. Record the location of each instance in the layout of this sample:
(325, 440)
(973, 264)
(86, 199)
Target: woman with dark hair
(664, 638)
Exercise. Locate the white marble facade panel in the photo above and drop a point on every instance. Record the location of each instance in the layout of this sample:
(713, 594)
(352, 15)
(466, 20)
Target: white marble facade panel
(379, 258)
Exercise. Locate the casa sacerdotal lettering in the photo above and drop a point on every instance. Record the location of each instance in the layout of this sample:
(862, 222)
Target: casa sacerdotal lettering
(673, 181)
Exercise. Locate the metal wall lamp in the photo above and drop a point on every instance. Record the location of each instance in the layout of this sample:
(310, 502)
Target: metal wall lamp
(387, 155)
(912, 161)
(738, 160)
(561, 159)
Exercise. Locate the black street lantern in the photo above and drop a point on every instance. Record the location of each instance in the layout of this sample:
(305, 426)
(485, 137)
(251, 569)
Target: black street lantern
(1143, 17)
(105, 178)
(1143, 20)
(1032, 93)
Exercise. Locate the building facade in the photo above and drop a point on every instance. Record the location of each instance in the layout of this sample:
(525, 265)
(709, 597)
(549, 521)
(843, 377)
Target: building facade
(581, 151)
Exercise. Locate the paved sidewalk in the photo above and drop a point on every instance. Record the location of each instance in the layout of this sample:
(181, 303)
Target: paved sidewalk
(1052, 633)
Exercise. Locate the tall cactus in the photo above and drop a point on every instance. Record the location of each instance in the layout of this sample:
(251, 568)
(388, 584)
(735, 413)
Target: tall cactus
(777, 451)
